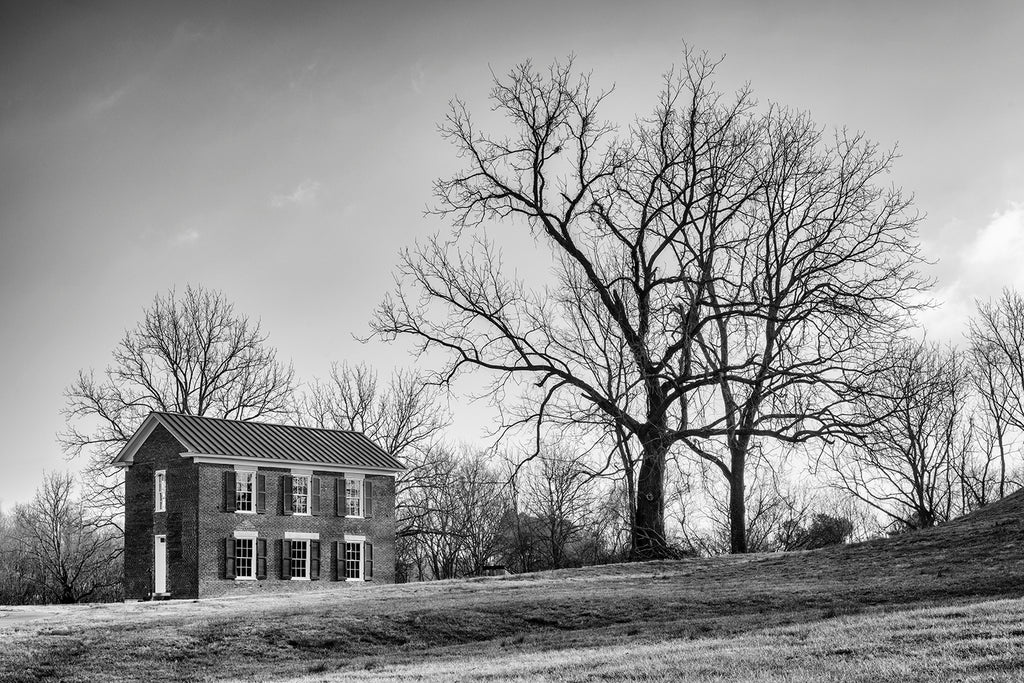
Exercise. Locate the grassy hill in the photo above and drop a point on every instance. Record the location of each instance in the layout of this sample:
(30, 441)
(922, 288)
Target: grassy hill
(940, 604)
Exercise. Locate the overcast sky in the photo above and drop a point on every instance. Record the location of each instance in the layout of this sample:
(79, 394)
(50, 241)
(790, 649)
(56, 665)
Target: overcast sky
(284, 152)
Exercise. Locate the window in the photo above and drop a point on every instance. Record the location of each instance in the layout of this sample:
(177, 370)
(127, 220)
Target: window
(245, 491)
(300, 559)
(160, 485)
(245, 558)
(354, 497)
(353, 560)
(300, 494)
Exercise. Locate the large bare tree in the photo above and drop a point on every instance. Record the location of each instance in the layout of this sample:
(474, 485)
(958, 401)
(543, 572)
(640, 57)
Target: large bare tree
(706, 220)
(191, 353)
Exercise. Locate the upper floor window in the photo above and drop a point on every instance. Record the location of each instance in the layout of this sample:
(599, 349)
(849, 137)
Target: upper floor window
(354, 497)
(245, 491)
(300, 494)
(160, 490)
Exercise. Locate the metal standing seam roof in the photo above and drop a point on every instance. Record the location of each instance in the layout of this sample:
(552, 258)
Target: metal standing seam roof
(218, 436)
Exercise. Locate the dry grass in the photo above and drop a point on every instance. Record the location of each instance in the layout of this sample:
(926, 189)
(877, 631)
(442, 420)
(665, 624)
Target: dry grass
(824, 615)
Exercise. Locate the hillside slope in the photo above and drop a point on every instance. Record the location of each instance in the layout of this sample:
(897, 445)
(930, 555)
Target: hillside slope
(976, 558)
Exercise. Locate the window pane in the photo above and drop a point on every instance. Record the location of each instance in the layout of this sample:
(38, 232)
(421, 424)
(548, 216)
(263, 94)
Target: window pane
(300, 554)
(300, 494)
(245, 491)
(161, 491)
(354, 497)
(353, 560)
(245, 561)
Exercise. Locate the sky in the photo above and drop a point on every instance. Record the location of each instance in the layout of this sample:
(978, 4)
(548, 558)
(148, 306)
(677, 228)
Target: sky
(284, 152)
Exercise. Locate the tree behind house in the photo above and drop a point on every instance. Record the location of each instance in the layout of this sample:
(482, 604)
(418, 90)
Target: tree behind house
(191, 353)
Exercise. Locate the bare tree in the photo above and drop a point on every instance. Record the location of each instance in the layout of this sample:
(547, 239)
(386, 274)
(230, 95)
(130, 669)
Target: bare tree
(406, 418)
(996, 337)
(191, 354)
(558, 496)
(75, 559)
(704, 219)
(903, 465)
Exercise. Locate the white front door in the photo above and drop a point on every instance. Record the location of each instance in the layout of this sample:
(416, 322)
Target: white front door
(160, 564)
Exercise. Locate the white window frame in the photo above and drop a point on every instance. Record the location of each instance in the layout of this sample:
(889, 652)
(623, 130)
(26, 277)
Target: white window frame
(250, 536)
(291, 560)
(308, 476)
(160, 491)
(305, 538)
(360, 488)
(245, 474)
(359, 541)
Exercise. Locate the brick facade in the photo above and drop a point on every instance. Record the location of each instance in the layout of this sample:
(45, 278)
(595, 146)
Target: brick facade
(196, 525)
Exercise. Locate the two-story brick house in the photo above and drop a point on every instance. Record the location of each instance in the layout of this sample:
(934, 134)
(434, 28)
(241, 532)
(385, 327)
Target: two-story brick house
(216, 506)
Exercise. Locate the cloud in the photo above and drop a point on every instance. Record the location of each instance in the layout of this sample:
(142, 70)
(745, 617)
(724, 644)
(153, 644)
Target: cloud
(998, 249)
(304, 195)
(987, 263)
(186, 237)
(418, 78)
(100, 103)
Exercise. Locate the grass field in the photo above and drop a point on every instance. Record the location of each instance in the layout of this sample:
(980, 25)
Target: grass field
(938, 605)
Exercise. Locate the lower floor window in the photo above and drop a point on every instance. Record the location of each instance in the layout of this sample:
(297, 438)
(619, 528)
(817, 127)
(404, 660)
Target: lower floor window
(353, 560)
(300, 559)
(245, 558)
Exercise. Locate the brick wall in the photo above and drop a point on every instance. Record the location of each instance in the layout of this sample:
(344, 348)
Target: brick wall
(196, 525)
(216, 525)
(160, 452)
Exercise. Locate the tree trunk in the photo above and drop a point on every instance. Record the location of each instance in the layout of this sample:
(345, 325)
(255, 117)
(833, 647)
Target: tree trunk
(649, 528)
(737, 504)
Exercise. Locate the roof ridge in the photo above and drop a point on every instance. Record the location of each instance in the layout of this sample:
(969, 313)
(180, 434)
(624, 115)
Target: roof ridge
(269, 424)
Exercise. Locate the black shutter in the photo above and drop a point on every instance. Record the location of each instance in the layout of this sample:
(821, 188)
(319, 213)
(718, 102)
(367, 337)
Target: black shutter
(229, 557)
(229, 491)
(314, 560)
(261, 558)
(339, 569)
(261, 492)
(341, 496)
(367, 499)
(286, 495)
(314, 495)
(367, 561)
(284, 548)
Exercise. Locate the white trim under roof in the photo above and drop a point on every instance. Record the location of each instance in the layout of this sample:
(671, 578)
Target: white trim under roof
(286, 464)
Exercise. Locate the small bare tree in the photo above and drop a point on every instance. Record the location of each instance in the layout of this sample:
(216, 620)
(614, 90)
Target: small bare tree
(406, 418)
(996, 336)
(192, 354)
(558, 497)
(76, 560)
(904, 464)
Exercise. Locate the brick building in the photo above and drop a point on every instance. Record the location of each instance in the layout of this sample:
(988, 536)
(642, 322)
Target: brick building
(217, 506)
